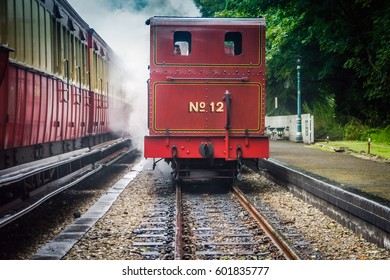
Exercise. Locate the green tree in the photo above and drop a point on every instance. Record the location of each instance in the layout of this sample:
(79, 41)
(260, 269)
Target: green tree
(344, 46)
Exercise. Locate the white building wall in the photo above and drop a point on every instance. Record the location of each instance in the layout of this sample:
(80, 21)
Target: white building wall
(290, 125)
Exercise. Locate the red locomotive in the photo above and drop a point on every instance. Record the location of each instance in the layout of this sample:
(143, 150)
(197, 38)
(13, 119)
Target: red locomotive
(56, 91)
(206, 96)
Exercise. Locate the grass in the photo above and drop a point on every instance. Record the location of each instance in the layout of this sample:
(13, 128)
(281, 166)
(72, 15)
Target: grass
(380, 149)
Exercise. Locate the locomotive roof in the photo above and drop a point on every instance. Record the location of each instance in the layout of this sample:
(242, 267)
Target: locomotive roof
(164, 20)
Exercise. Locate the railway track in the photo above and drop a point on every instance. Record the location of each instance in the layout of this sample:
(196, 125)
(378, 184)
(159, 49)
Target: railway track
(275, 237)
(226, 226)
(359, 214)
(155, 220)
(205, 226)
(155, 237)
(25, 187)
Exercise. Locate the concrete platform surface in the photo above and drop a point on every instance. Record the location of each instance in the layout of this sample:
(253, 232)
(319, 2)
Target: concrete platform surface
(362, 176)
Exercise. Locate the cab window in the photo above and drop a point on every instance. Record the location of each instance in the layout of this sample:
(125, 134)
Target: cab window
(182, 43)
(233, 43)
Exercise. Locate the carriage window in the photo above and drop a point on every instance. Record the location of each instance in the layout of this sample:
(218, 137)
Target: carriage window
(233, 43)
(182, 43)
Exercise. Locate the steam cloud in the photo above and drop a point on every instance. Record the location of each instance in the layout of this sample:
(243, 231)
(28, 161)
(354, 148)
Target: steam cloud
(121, 23)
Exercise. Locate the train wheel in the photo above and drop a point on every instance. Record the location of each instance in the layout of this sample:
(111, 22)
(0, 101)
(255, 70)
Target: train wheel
(175, 171)
(239, 166)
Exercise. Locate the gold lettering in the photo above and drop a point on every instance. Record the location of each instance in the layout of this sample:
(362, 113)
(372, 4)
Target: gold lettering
(220, 107)
(216, 107)
(200, 107)
(193, 107)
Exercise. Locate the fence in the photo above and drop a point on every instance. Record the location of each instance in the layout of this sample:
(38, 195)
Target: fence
(285, 127)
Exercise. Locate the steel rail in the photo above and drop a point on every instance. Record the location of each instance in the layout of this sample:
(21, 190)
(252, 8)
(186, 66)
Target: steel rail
(356, 212)
(53, 188)
(178, 235)
(19, 213)
(268, 229)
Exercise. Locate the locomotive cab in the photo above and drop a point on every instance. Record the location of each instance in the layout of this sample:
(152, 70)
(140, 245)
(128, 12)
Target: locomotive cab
(206, 94)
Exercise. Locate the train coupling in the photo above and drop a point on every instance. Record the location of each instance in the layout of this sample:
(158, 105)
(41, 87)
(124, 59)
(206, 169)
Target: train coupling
(206, 149)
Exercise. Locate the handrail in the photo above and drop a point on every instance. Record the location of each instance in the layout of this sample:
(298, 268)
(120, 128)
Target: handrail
(88, 98)
(108, 96)
(66, 73)
(100, 94)
(227, 98)
(78, 101)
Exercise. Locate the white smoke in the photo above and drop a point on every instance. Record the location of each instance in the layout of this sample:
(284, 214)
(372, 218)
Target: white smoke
(121, 24)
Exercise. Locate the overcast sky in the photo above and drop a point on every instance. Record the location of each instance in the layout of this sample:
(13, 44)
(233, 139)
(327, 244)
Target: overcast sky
(121, 23)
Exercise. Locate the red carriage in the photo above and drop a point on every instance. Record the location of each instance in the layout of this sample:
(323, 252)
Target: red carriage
(56, 92)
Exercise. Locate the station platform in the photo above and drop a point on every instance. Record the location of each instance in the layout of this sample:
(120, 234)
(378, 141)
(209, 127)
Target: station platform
(365, 177)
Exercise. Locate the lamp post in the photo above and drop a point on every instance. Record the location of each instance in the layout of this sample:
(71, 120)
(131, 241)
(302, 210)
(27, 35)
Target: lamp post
(299, 138)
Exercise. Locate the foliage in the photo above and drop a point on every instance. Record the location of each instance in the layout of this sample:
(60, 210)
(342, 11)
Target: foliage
(209, 7)
(325, 124)
(356, 130)
(381, 135)
(344, 47)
